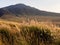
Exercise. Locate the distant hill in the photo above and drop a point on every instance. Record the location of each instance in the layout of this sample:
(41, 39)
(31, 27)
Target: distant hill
(14, 12)
(21, 9)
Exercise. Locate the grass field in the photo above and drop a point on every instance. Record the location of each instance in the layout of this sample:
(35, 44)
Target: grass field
(33, 33)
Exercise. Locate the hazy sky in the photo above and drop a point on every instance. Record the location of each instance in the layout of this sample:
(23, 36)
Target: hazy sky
(48, 5)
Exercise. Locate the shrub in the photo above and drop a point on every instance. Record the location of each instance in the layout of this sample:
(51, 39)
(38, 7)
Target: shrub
(36, 36)
(9, 38)
(4, 35)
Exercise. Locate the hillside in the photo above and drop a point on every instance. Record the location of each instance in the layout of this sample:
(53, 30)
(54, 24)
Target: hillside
(21, 9)
(21, 12)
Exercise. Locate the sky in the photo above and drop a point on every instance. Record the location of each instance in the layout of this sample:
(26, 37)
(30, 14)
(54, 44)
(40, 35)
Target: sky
(46, 5)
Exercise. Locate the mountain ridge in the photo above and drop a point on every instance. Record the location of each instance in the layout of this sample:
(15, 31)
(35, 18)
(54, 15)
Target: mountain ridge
(22, 12)
(22, 9)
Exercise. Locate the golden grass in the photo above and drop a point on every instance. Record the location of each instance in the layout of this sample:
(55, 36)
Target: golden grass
(13, 29)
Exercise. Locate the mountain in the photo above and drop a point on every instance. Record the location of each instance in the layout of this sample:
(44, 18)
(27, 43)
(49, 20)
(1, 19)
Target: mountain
(14, 12)
(21, 9)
